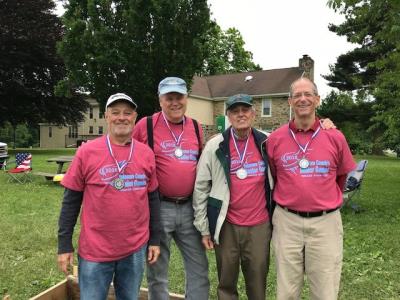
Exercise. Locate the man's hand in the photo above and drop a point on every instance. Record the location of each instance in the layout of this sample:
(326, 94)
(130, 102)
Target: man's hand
(327, 124)
(64, 261)
(207, 242)
(153, 252)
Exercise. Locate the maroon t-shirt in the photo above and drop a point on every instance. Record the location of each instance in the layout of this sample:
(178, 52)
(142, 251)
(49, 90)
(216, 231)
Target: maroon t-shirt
(176, 175)
(114, 222)
(247, 205)
(315, 187)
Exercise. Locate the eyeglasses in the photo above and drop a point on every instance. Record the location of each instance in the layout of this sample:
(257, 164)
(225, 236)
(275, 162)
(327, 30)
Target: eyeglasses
(305, 94)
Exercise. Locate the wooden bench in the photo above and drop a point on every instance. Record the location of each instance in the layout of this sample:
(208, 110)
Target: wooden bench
(68, 289)
(48, 176)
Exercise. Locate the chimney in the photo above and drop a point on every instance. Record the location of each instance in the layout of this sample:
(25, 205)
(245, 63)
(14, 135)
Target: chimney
(306, 64)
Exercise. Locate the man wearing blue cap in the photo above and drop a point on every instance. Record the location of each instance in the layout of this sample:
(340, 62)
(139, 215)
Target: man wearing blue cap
(176, 141)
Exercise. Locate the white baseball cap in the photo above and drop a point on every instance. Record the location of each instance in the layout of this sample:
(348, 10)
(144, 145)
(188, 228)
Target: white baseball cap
(119, 97)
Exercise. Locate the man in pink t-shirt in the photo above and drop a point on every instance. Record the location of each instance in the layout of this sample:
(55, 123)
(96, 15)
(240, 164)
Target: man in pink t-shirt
(231, 201)
(112, 180)
(309, 166)
(176, 141)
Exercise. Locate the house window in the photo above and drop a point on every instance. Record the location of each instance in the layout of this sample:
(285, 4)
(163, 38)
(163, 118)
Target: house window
(100, 129)
(266, 107)
(73, 132)
(91, 113)
(50, 132)
(101, 114)
(90, 129)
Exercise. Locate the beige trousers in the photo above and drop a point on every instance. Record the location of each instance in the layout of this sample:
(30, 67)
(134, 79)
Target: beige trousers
(310, 246)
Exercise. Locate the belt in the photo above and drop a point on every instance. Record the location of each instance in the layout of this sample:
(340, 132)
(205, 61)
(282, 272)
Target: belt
(312, 214)
(177, 200)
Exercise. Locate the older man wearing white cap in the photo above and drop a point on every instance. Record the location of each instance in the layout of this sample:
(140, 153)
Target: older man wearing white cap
(176, 141)
(113, 179)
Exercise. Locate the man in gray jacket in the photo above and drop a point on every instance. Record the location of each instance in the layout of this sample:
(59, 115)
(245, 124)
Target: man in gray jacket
(232, 202)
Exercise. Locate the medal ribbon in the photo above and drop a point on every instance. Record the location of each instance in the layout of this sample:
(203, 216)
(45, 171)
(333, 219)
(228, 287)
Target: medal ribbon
(122, 167)
(179, 138)
(304, 149)
(241, 156)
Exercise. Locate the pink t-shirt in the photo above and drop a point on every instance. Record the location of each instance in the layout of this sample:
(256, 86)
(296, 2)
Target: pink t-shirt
(313, 188)
(114, 223)
(247, 205)
(175, 175)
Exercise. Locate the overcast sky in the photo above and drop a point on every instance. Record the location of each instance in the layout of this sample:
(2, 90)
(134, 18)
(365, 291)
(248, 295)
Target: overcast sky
(279, 32)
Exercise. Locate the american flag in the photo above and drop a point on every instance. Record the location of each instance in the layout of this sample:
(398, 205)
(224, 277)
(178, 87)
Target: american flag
(23, 161)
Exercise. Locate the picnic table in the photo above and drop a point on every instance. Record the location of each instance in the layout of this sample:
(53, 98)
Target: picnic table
(61, 160)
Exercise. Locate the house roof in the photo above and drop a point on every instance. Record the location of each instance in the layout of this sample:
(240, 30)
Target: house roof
(264, 82)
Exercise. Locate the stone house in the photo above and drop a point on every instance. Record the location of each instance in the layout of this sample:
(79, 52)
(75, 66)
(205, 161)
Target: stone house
(269, 89)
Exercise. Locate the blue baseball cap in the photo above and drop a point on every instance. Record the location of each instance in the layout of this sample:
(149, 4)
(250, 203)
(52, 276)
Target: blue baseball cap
(172, 84)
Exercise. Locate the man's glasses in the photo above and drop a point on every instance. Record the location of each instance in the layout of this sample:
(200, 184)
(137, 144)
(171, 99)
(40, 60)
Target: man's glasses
(305, 94)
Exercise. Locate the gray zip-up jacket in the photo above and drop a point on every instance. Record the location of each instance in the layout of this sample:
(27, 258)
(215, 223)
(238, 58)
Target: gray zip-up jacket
(211, 194)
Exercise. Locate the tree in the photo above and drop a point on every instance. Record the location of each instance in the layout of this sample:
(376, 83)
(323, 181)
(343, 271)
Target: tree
(373, 68)
(30, 67)
(129, 46)
(352, 116)
(225, 53)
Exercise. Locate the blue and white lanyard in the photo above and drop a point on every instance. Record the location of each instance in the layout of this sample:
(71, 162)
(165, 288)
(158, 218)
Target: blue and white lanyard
(179, 138)
(241, 155)
(123, 165)
(304, 148)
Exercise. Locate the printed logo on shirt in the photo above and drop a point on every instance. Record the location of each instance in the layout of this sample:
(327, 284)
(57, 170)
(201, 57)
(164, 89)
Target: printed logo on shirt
(256, 168)
(168, 149)
(124, 182)
(316, 168)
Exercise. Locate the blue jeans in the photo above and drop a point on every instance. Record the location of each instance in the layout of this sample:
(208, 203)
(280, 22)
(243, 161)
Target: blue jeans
(177, 223)
(95, 277)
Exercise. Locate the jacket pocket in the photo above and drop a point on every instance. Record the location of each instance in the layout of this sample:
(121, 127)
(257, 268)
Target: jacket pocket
(213, 209)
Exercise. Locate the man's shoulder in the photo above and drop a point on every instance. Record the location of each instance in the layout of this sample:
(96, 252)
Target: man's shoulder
(142, 147)
(279, 131)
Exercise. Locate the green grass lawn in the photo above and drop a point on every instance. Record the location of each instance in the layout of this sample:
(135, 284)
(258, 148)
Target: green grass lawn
(28, 236)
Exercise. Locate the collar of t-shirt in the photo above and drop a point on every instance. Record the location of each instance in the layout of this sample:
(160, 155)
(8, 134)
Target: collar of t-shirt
(314, 127)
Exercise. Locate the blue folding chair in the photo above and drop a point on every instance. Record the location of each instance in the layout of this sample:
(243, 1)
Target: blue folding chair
(353, 185)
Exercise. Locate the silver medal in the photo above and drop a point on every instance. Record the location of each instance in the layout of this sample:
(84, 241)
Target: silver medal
(241, 173)
(178, 152)
(119, 183)
(304, 163)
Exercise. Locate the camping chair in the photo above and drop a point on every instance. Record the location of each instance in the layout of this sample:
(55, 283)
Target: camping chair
(21, 173)
(353, 185)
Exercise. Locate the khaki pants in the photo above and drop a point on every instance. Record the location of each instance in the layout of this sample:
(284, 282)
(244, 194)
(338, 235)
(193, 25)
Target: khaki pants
(246, 247)
(313, 246)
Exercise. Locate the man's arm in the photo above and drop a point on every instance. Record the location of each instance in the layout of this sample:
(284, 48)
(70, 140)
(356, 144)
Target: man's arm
(70, 208)
(155, 227)
(201, 192)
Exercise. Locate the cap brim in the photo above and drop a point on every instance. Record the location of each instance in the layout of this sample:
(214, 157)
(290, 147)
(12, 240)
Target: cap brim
(172, 89)
(237, 103)
(133, 104)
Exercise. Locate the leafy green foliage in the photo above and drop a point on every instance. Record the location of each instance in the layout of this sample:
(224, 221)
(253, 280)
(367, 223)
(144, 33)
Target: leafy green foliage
(225, 53)
(30, 67)
(373, 67)
(25, 136)
(129, 46)
(353, 117)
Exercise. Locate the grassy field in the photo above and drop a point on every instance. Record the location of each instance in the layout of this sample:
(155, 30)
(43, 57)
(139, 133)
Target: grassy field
(28, 236)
